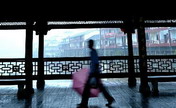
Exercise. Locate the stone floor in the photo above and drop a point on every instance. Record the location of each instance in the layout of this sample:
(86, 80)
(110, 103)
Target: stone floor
(59, 94)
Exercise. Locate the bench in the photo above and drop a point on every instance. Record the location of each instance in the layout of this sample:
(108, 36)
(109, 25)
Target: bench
(155, 79)
(19, 82)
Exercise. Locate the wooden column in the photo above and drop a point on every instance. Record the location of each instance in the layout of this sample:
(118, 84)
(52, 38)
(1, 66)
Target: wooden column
(144, 87)
(131, 78)
(129, 29)
(40, 80)
(41, 30)
(28, 58)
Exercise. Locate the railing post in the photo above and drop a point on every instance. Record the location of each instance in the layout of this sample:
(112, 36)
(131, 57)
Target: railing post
(144, 87)
(41, 30)
(28, 58)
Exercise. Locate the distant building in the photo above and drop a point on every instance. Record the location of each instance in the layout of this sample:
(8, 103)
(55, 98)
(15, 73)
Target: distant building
(112, 42)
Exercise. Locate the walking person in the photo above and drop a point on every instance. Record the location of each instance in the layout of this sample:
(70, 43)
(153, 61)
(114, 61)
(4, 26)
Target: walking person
(94, 73)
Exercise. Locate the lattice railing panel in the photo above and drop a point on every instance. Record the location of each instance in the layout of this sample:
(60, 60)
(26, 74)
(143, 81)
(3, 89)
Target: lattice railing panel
(63, 67)
(68, 67)
(114, 66)
(161, 65)
(12, 68)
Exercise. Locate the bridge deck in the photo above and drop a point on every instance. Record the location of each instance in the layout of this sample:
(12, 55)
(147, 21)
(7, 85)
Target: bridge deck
(58, 94)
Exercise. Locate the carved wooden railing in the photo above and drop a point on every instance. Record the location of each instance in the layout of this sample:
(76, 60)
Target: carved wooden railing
(12, 68)
(161, 65)
(116, 66)
(57, 67)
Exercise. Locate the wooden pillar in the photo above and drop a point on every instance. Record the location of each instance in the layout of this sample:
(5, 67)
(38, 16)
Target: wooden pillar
(131, 78)
(129, 29)
(41, 30)
(28, 58)
(144, 87)
(40, 80)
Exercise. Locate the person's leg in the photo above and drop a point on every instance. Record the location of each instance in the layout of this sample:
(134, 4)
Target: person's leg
(106, 94)
(85, 95)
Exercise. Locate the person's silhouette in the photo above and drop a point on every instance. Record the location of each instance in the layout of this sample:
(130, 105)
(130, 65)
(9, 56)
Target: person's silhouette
(94, 72)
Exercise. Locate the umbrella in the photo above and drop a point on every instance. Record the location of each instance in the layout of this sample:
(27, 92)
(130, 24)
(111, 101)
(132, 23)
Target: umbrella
(79, 80)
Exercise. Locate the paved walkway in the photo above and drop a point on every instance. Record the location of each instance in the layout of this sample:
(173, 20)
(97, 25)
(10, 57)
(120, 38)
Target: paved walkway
(59, 94)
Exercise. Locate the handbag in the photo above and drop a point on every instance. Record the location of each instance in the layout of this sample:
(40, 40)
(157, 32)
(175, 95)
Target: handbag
(93, 82)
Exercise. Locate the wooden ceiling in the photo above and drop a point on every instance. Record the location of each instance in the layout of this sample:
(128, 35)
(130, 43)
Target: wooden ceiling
(169, 20)
(101, 17)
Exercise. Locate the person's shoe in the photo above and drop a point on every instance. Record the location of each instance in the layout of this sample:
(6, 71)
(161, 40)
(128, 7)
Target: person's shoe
(110, 101)
(82, 106)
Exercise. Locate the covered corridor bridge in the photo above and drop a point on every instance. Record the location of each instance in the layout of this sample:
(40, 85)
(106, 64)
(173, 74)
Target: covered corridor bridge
(42, 68)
